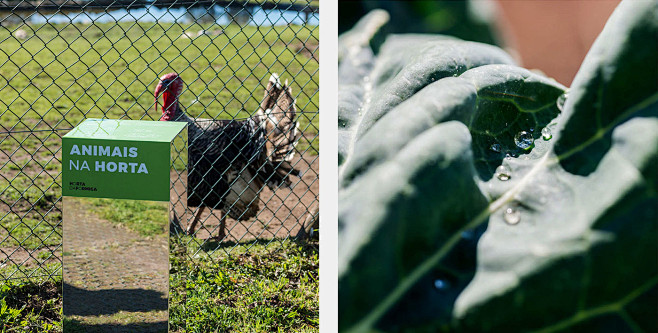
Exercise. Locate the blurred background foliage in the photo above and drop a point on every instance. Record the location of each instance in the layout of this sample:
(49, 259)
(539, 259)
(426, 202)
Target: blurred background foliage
(468, 20)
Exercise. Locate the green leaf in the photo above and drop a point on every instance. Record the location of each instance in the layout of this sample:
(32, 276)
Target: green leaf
(417, 66)
(371, 86)
(356, 60)
(431, 240)
(421, 160)
(495, 101)
(589, 251)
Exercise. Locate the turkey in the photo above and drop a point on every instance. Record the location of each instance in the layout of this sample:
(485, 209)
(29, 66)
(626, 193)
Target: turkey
(229, 161)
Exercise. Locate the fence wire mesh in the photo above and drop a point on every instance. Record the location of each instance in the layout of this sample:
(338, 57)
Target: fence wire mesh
(65, 61)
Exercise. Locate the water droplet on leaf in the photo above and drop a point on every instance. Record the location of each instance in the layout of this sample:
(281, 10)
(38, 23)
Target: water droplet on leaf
(546, 133)
(561, 100)
(512, 216)
(440, 284)
(468, 234)
(495, 147)
(503, 173)
(524, 140)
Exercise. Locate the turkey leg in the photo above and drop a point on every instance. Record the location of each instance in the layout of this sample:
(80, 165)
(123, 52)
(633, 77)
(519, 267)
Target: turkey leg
(222, 227)
(197, 216)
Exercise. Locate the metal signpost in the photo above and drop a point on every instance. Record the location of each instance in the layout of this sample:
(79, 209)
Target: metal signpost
(112, 268)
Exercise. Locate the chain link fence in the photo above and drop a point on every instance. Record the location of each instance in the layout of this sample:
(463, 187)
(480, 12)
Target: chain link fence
(65, 61)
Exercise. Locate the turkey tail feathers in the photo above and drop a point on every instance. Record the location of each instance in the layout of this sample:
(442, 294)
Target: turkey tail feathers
(277, 117)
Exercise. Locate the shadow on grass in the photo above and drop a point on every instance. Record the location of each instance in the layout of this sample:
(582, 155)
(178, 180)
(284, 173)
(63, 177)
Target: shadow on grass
(83, 302)
(75, 326)
(211, 245)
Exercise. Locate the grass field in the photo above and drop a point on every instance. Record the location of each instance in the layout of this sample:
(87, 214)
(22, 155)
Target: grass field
(262, 290)
(270, 288)
(144, 217)
(65, 73)
(62, 74)
(258, 287)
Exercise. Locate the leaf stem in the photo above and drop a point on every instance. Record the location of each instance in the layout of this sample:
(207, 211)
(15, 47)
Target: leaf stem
(604, 130)
(613, 307)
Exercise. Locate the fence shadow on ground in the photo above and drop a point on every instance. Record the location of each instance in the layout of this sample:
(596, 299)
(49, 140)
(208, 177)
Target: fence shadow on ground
(82, 302)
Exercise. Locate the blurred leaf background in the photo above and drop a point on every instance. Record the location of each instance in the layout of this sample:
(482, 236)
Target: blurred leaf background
(551, 36)
(467, 20)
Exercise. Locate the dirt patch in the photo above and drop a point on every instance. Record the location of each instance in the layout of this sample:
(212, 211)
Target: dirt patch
(113, 277)
(29, 258)
(4, 155)
(282, 212)
(308, 49)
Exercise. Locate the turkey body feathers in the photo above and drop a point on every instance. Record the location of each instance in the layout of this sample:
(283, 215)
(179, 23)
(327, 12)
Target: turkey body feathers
(225, 164)
(222, 156)
(229, 161)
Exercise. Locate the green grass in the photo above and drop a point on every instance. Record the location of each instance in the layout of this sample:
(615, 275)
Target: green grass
(148, 218)
(33, 214)
(31, 306)
(64, 73)
(35, 269)
(258, 291)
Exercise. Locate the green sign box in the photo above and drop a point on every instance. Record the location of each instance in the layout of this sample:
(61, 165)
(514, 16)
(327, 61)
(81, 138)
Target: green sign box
(119, 159)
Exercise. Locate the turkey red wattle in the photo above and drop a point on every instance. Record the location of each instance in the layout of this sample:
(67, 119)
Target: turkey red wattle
(170, 102)
(170, 86)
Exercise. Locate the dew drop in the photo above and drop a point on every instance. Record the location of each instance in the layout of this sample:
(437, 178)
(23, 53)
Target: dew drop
(546, 133)
(508, 157)
(503, 173)
(495, 147)
(512, 216)
(560, 101)
(532, 129)
(524, 140)
(468, 234)
(440, 284)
